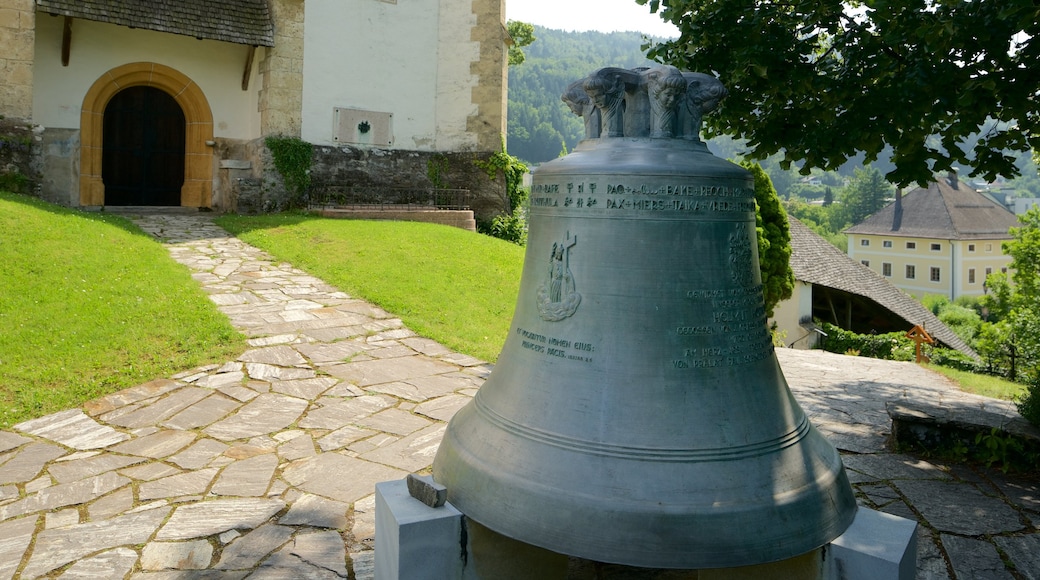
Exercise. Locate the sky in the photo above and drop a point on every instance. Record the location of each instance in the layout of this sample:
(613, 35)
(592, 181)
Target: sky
(580, 15)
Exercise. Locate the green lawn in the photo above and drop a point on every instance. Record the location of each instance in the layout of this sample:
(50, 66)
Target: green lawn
(985, 385)
(90, 305)
(454, 286)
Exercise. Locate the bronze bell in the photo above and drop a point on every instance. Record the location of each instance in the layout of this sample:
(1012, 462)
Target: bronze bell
(637, 414)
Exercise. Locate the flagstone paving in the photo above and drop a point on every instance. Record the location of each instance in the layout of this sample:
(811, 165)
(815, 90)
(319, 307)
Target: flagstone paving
(264, 467)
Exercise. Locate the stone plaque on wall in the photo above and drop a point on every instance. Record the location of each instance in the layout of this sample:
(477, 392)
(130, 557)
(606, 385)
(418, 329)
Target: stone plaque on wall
(357, 126)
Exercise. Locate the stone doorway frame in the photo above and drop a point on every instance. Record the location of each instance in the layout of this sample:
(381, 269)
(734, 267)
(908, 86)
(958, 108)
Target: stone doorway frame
(197, 190)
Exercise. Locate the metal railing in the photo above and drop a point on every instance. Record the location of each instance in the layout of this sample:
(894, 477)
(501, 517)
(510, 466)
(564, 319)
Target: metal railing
(328, 196)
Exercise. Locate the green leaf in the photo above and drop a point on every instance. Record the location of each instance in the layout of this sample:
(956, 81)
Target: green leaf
(900, 72)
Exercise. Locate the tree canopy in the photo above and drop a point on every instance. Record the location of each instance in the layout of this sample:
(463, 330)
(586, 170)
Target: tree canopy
(1024, 314)
(521, 34)
(1012, 342)
(866, 193)
(944, 83)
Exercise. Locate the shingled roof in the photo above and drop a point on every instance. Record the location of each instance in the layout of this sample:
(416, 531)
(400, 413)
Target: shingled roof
(941, 211)
(238, 21)
(814, 260)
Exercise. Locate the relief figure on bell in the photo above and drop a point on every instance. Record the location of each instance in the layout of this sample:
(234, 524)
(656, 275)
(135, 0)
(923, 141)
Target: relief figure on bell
(558, 297)
(581, 105)
(667, 88)
(607, 92)
(557, 276)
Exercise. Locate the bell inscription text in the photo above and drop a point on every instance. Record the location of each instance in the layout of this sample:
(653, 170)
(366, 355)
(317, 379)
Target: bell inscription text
(620, 198)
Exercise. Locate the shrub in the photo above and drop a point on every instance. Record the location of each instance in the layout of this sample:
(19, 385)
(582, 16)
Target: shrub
(955, 359)
(512, 228)
(890, 346)
(962, 320)
(512, 170)
(1029, 404)
(15, 182)
(292, 159)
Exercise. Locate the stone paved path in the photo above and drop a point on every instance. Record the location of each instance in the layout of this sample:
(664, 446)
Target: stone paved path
(264, 467)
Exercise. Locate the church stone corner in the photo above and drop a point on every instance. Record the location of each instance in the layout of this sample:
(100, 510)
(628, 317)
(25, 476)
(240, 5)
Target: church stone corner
(491, 72)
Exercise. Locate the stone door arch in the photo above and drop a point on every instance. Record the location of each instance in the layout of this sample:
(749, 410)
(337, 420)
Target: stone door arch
(197, 190)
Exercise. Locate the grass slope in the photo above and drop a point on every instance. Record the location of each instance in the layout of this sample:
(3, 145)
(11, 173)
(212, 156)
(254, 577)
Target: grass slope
(985, 385)
(89, 305)
(453, 286)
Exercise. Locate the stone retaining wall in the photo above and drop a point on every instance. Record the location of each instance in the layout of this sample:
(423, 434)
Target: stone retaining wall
(973, 433)
(261, 189)
(420, 169)
(244, 177)
(18, 172)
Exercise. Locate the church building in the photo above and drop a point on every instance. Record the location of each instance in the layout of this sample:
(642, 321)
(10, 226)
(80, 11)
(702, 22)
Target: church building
(168, 102)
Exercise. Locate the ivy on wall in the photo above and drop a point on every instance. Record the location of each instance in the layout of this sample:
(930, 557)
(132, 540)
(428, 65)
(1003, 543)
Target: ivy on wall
(15, 152)
(512, 169)
(292, 159)
(436, 168)
(512, 226)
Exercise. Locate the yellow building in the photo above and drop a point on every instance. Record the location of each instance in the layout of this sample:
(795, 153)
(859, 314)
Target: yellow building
(831, 287)
(944, 239)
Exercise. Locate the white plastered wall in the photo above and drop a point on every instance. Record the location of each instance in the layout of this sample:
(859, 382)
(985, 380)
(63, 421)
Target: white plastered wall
(216, 67)
(391, 57)
(789, 312)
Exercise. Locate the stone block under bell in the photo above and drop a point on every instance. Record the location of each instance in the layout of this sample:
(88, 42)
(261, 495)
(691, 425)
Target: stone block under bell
(415, 541)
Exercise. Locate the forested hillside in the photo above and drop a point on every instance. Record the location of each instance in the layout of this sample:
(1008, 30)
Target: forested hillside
(540, 124)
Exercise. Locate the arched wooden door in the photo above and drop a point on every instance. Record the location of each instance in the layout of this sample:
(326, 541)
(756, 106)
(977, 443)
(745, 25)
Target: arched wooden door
(143, 148)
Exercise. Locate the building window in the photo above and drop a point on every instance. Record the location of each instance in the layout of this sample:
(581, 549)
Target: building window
(933, 274)
(886, 244)
(911, 272)
(989, 271)
(911, 245)
(971, 247)
(864, 242)
(886, 269)
(1003, 270)
(971, 275)
(865, 263)
(936, 247)
(989, 247)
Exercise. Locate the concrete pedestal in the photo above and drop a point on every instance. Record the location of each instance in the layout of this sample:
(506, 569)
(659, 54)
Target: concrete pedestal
(877, 546)
(415, 541)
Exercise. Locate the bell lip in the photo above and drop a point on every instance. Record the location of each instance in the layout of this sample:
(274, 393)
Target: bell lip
(494, 500)
(791, 551)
